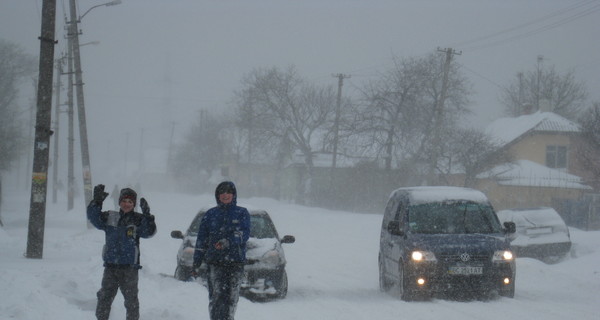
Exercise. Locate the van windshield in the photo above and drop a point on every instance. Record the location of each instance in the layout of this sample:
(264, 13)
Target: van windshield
(453, 217)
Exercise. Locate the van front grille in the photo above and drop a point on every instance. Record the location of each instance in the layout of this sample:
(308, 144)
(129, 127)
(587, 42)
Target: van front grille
(462, 258)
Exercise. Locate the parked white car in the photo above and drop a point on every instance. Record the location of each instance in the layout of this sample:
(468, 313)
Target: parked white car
(541, 233)
(264, 277)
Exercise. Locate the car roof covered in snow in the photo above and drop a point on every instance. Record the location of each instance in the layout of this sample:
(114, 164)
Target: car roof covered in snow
(527, 217)
(420, 195)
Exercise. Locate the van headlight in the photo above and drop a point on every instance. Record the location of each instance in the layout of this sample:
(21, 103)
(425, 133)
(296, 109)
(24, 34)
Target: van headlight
(503, 256)
(422, 256)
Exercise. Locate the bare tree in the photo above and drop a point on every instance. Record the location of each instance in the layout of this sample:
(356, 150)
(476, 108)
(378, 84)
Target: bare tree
(543, 88)
(396, 120)
(471, 151)
(280, 108)
(15, 65)
(206, 145)
(588, 153)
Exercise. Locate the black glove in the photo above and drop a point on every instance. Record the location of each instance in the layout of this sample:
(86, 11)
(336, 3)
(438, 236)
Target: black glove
(145, 207)
(99, 194)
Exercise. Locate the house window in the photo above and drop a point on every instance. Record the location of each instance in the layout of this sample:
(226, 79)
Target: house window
(556, 157)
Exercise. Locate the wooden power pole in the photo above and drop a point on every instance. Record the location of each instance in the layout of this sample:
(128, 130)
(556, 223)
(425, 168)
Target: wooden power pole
(438, 116)
(39, 182)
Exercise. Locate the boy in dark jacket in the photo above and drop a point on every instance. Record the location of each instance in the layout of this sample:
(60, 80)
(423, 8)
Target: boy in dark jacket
(121, 253)
(221, 243)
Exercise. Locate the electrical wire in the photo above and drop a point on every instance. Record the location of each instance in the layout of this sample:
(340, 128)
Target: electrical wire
(583, 10)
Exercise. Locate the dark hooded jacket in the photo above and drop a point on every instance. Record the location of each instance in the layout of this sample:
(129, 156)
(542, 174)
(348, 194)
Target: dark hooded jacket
(123, 232)
(226, 224)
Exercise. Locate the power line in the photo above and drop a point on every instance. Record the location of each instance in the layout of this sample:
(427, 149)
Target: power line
(577, 15)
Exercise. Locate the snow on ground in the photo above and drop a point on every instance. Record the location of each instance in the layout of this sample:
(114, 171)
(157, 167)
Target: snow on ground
(332, 270)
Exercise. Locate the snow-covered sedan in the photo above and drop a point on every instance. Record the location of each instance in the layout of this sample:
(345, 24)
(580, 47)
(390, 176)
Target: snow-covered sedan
(265, 275)
(541, 233)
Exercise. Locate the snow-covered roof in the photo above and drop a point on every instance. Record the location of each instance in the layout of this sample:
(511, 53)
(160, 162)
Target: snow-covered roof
(441, 193)
(529, 173)
(505, 130)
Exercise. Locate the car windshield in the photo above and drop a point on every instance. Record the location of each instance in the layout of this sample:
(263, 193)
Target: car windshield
(453, 217)
(261, 226)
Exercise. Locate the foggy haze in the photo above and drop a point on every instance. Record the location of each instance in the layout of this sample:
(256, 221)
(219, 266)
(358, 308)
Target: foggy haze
(158, 63)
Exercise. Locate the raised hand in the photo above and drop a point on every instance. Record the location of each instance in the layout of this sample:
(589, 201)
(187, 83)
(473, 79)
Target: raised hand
(145, 207)
(99, 194)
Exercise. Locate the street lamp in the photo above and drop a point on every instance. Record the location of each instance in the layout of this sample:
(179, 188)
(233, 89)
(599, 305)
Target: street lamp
(112, 3)
(89, 43)
(85, 155)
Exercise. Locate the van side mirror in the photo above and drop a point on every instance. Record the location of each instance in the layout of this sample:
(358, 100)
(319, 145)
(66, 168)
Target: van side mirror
(176, 234)
(288, 239)
(393, 227)
(510, 227)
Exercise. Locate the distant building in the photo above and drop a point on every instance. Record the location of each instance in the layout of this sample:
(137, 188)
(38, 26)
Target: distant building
(546, 172)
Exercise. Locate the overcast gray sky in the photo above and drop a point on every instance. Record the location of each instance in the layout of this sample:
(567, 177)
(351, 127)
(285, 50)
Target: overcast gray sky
(160, 61)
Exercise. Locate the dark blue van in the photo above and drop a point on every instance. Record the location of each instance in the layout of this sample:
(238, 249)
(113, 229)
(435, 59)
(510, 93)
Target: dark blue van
(444, 240)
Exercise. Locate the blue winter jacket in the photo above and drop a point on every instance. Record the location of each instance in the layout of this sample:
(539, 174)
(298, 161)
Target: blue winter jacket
(122, 234)
(228, 222)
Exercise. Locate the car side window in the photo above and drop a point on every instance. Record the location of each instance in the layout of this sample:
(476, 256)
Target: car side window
(399, 216)
(389, 209)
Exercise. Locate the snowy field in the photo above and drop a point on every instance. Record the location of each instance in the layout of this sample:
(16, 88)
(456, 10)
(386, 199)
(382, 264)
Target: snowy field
(332, 270)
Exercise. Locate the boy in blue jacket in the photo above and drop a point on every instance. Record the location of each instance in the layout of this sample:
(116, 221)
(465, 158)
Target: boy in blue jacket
(121, 253)
(221, 244)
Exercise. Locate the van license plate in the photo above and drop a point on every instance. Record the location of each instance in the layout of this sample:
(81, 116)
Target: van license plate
(465, 270)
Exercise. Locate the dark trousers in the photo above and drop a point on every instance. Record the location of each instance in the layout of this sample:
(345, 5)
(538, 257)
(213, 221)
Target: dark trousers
(224, 290)
(113, 279)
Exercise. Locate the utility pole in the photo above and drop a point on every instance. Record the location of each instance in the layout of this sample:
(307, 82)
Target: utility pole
(336, 123)
(59, 72)
(71, 134)
(83, 138)
(170, 155)
(540, 60)
(142, 163)
(39, 181)
(438, 116)
(520, 103)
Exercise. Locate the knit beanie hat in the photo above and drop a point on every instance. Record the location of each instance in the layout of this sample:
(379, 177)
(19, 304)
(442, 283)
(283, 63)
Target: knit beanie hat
(127, 193)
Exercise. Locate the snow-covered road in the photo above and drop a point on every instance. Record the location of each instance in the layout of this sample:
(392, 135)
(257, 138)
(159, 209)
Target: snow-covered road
(332, 270)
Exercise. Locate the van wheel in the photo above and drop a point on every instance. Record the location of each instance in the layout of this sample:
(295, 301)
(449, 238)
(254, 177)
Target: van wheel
(509, 292)
(384, 284)
(282, 285)
(182, 273)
